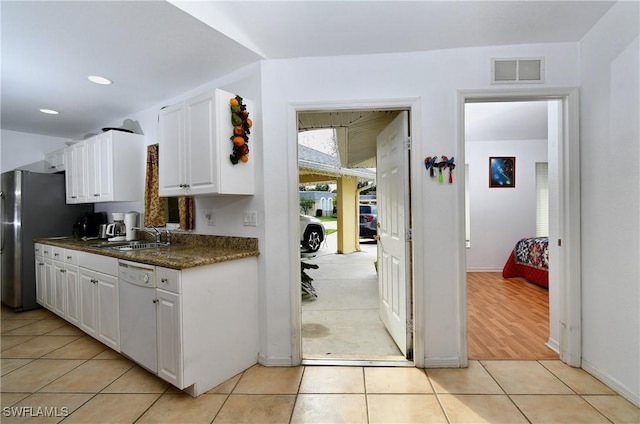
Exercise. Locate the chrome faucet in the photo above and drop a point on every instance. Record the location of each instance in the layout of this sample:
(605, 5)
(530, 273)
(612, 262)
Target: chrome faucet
(157, 234)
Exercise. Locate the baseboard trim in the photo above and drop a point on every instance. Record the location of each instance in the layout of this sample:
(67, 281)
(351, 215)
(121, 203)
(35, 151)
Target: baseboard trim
(614, 384)
(274, 362)
(452, 362)
(553, 345)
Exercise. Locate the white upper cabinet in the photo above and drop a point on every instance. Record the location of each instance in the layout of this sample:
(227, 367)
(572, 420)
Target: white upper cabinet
(76, 173)
(54, 161)
(195, 145)
(106, 168)
(172, 175)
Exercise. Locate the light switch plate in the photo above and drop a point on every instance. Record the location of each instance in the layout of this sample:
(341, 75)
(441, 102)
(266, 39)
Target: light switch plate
(250, 219)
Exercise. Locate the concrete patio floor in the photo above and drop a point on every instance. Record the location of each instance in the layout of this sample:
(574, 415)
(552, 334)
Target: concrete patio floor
(342, 322)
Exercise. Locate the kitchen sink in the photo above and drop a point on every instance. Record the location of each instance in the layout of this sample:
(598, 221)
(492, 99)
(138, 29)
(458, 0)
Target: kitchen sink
(131, 245)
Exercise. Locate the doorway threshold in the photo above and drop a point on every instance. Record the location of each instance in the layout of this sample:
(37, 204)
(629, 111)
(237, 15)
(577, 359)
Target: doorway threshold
(359, 362)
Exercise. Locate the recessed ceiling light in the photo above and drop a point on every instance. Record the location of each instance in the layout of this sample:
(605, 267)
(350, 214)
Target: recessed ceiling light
(100, 80)
(49, 111)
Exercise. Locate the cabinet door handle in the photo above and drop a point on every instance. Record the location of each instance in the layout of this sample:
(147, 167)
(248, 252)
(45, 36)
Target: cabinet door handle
(163, 280)
(63, 270)
(155, 300)
(56, 254)
(69, 257)
(74, 197)
(94, 280)
(96, 195)
(46, 252)
(41, 263)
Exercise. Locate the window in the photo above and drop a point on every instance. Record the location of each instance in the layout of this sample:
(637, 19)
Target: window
(542, 199)
(172, 212)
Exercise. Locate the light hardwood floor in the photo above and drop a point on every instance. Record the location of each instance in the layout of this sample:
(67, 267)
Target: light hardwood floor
(506, 318)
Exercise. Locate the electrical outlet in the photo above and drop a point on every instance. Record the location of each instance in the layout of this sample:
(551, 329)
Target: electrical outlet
(210, 215)
(250, 219)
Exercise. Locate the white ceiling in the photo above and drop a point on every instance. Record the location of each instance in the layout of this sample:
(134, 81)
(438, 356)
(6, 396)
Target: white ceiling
(154, 50)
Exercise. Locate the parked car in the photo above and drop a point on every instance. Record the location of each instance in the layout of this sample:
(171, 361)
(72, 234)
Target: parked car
(312, 233)
(368, 221)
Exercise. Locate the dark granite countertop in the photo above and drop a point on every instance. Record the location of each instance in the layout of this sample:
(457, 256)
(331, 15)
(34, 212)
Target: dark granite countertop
(185, 251)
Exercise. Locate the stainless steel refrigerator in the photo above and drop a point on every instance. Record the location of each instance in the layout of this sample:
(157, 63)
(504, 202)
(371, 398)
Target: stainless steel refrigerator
(33, 206)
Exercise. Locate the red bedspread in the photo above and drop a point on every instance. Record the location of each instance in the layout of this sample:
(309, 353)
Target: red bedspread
(529, 260)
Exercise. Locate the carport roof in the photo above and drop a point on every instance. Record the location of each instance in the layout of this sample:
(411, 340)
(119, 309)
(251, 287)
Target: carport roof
(311, 161)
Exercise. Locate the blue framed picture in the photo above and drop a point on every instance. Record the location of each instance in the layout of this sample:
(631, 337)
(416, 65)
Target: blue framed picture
(502, 171)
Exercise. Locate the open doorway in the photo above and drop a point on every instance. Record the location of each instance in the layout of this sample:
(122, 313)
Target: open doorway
(350, 318)
(563, 235)
(498, 216)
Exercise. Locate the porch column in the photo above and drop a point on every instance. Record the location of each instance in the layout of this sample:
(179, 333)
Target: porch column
(348, 227)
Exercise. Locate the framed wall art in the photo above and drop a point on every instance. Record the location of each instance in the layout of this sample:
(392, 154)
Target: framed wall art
(502, 171)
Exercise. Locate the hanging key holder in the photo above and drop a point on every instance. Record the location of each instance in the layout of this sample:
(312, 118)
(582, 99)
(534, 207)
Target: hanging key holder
(431, 163)
(451, 167)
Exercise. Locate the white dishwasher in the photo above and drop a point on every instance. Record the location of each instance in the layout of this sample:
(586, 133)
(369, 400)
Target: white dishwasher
(137, 296)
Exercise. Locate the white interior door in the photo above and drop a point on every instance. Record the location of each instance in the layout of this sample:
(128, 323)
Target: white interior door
(393, 225)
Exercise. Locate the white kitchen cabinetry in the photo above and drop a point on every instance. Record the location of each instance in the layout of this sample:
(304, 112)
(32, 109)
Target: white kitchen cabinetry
(57, 277)
(169, 326)
(48, 277)
(72, 283)
(40, 273)
(99, 313)
(207, 323)
(76, 173)
(54, 161)
(194, 149)
(106, 168)
(60, 287)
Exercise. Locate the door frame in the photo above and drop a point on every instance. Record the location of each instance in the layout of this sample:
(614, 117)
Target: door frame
(416, 271)
(568, 210)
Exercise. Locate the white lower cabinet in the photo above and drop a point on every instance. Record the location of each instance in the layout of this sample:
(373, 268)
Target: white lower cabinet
(99, 307)
(72, 301)
(49, 285)
(40, 273)
(207, 323)
(88, 303)
(98, 298)
(169, 337)
(169, 326)
(60, 288)
(207, 316)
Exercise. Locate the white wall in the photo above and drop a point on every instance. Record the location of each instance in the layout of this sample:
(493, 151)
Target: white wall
(26, 151)
(501, 216)
(610, 179)
(433, 80)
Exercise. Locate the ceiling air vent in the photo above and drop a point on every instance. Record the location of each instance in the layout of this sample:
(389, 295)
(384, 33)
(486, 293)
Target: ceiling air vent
(517, 71)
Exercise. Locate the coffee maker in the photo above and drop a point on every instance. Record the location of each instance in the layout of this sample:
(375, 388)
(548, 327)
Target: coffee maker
(117, 231)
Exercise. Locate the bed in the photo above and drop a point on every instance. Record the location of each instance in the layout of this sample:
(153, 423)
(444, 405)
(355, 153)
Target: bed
(529, 260)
